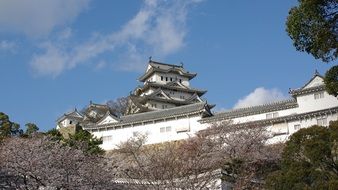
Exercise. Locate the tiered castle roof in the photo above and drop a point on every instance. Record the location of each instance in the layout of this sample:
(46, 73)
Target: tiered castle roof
(164, 86)
(314, 85)
(165, 93)
(158, 67)
(173, 85)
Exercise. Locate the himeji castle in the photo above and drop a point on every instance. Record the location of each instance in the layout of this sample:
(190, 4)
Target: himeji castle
(166, 108)
(164, 86)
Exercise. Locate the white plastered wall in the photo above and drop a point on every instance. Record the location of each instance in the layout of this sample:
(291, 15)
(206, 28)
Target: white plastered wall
(152, 129)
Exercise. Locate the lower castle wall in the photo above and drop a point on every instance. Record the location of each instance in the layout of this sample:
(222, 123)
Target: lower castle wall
(157, 132)
(183, 128)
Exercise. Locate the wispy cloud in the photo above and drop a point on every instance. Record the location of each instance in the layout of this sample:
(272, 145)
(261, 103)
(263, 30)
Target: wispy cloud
(65, 34)
(158, 29)
(219, 109)
(100, 65)
(6, 45)
(37, 18)
(52, 62)
(260, 96)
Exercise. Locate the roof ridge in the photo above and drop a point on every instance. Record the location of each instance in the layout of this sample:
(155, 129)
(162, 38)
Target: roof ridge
(164, 110)
(282, 118)
(73, 111)
(168, 64)
(263, 105)
(314, 76)
(159, 90)
(108, 113)
(166, 86)
(91, 103)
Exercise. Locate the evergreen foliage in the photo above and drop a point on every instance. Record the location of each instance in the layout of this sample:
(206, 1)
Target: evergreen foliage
(85, 141)
(31, 128)
(331, 81)
(309, 160)
(7, 127)
(54, 135)
(312, 26)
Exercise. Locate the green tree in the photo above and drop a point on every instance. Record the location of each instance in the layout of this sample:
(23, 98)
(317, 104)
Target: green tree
(331, 81)
(309, 160)
(7, 127)
(312, 25)
(31, 128)
(54, 135)
(85, 141)
(81, 139)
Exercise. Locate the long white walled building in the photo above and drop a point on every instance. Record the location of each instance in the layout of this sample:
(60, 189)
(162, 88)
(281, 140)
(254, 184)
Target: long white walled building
(308, 105)
(166, 108)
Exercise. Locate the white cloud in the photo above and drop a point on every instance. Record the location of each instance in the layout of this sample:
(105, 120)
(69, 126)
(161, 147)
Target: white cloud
(38, 17)
(260, 96)
(65, 34)
(158, 29)
(7, 45)
(51, 63)
(100, 65)
(219, 109)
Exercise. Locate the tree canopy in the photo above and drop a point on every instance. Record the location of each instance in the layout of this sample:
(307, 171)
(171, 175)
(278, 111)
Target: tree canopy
(309, 160)
(240, 153)
(85, 141)
(40, 163)
(312, 25)
(331, 81)
(31, 128)
(7, 127)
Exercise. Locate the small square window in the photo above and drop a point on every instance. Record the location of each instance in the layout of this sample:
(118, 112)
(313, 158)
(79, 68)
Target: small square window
(269, 116)
(168, 129)
(272, 115)
(318, 95)
(162, 130)
(107, 138)
(322, 121)
(296, 127)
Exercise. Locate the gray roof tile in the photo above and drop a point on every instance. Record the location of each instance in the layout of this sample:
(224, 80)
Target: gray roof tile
(165, 68)
(292, 117)
(300, 91)
(171, 87)
(241, 112)
(158, 114)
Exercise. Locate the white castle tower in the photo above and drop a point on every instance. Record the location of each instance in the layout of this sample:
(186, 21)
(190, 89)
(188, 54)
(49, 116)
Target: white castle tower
(164, 86)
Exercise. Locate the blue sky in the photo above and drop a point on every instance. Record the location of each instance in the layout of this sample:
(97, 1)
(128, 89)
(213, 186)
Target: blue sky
(59, 54)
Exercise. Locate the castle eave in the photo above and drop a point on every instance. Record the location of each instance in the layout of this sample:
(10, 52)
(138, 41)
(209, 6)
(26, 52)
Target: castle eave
(288, 118)
(164, 86)
(197, 108)
(179, 71)
(297, 92)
